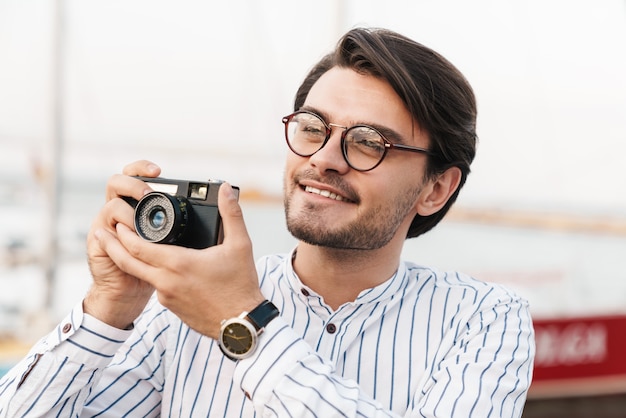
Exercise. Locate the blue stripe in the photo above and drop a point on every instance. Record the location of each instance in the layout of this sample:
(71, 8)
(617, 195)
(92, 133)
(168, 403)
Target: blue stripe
(82, 347)
(456, 401)
(62, 394)
(54, 376)
(319, 394)
(506, 318)
(100, 335)
(127, 391)
(393, 354)
(199, 389)
(178, 365)
(276, 358)
(130, 369)
(380, 327)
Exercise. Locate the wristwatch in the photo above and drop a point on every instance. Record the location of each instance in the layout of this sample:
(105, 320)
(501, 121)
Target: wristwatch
(238, 336)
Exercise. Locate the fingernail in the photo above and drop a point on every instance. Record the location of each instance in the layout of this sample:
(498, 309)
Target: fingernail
(153, 167)
(97, 234)
(230, 193)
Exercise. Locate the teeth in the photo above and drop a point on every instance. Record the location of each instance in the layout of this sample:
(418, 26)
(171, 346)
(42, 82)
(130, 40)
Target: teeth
(324, 193)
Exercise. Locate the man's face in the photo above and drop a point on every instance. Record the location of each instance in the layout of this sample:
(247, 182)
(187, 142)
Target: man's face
(327, 203)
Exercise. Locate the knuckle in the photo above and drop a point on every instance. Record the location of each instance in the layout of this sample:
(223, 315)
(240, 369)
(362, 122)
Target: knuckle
(123, 264)
(111, 186)
(245, 247)
(242, 245)
(176, 264)
(235, 210)
(131, 169)
(136, 167)
(134, 249)
(165, 296)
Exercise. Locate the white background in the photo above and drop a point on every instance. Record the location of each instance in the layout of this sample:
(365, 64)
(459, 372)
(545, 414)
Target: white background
(200, 87)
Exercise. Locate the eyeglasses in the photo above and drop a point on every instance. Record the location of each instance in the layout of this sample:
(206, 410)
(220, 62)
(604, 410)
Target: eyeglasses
(363, 147)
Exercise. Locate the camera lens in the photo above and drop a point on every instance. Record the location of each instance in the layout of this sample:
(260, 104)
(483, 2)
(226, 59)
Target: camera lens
(161, 218)
(157, 217)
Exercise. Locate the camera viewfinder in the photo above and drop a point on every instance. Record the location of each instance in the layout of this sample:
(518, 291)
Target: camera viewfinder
(198, 191)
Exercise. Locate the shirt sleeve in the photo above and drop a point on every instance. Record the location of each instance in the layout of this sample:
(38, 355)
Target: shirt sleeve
(489, 369)
(486, 372)
(285, 377)
(56, 376)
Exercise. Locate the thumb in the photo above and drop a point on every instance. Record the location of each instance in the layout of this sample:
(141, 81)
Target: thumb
(231, 213)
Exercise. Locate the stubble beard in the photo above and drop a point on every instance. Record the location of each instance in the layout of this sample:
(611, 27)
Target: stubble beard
(373, 229)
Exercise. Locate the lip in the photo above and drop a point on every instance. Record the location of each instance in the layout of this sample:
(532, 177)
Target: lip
(325, 191)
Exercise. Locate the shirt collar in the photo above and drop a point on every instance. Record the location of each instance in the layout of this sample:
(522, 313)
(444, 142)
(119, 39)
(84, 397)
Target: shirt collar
(379, 293)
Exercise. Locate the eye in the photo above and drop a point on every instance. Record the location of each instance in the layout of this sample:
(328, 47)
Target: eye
(310, 125)
(365, 140)
(313, 129)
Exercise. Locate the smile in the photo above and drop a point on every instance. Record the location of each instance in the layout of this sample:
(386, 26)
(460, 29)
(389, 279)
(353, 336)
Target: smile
(325, 193)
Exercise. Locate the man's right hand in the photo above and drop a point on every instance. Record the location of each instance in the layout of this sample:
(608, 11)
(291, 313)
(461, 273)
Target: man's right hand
(115, 297)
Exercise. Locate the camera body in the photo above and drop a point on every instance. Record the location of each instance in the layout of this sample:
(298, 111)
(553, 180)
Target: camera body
(179, 212)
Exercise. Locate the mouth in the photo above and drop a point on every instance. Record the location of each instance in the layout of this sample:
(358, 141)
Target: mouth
(326, 193)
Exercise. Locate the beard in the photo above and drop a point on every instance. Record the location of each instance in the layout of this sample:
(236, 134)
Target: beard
(372, 229)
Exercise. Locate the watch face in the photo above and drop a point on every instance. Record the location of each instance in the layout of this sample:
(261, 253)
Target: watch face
(238, 339)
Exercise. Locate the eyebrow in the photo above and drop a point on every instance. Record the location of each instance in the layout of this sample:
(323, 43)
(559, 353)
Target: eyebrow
(390, 134)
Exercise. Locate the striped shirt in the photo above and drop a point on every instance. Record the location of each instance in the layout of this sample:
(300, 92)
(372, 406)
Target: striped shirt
(422, 344)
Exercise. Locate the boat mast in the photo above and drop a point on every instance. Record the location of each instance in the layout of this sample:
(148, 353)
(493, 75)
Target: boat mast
(54, 178)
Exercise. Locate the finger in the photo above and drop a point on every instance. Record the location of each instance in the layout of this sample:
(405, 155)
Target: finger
(121, 255)
(121, 185)
(142, 168)
(232, 215)
(116, 211)
(125, 185)
(153, 257)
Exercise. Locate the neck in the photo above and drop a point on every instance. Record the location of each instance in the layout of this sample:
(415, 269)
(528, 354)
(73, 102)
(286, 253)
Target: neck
(339, 276)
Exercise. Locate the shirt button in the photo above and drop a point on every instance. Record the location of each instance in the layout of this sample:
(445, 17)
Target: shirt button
(305, 292)
(66, 328)
(331, 328)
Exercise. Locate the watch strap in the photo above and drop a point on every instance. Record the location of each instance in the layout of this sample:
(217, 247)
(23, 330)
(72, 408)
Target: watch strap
(262, 314)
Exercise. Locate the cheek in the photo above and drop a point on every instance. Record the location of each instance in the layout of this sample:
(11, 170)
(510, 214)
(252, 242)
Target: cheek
(289, 164)
(292, 162)
(404, 184)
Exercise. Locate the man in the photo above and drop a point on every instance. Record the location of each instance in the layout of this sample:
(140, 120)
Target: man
(382, 136)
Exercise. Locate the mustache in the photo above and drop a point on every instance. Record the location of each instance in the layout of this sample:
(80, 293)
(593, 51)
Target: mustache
(333, 180)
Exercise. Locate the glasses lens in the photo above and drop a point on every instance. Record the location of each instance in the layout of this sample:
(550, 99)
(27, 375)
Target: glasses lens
(306, 133)
(363, 147)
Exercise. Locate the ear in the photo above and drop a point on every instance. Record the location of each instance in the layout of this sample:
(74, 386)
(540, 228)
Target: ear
(437, 191)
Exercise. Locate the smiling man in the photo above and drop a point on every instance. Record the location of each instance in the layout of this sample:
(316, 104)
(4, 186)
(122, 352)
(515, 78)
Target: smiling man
(382, 138)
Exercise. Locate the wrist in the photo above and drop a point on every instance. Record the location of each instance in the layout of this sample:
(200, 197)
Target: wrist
(117, 315)
(238, 337)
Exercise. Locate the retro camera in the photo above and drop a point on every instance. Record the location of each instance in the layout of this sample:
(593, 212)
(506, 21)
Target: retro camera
(179, 212)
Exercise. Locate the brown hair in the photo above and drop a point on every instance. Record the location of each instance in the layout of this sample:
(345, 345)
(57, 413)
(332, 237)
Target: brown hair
(433, 90)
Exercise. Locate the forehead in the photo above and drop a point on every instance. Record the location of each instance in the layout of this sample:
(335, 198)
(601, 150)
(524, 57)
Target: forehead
(347, 97)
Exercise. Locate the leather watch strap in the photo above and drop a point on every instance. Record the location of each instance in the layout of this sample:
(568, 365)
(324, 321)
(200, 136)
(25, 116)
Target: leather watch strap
(263, 314)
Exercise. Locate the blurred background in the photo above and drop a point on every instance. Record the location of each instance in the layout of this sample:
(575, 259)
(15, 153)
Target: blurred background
(200, 88)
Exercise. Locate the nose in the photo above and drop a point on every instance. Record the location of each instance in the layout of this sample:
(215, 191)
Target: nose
(330, 157)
